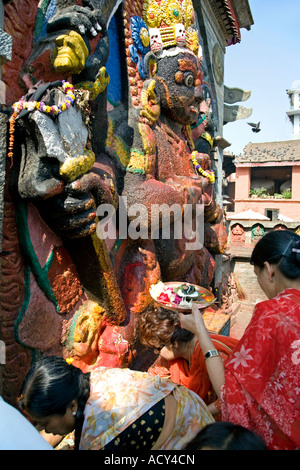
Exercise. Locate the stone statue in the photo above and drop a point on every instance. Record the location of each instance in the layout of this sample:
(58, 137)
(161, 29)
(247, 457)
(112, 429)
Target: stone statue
(69, 158)
(59, 172)
(164, 168)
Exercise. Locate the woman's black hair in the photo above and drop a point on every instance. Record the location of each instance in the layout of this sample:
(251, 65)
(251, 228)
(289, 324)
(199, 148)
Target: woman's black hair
(280, 247)
(226, 436)
(50, 387)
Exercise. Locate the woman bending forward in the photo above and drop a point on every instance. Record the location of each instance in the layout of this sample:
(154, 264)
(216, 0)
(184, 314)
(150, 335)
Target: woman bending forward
(112, 409)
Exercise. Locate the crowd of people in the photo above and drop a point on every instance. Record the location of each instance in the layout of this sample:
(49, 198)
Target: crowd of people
(221, 393)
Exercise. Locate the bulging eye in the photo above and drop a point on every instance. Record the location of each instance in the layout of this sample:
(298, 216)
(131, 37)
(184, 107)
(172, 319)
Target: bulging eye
(189, 80)
(178, 77)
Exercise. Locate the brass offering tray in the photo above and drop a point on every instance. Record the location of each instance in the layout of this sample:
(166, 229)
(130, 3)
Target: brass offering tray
(180, 296)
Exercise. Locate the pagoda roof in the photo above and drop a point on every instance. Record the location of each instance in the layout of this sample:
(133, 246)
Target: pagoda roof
(247, 215)
(231, 16)
(286, 152)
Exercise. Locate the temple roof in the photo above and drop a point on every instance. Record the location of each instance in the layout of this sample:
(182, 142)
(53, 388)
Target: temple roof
(284, 151)
(252, 215)
(231, 16)
(247, 215)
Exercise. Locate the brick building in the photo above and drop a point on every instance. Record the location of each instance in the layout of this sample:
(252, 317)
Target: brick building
(265, 195)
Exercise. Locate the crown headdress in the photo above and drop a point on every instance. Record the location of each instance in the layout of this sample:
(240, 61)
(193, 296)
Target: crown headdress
(170, 24)
(160, 26)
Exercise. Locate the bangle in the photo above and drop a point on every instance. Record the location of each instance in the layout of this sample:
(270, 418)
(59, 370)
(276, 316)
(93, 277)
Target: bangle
(211, 353)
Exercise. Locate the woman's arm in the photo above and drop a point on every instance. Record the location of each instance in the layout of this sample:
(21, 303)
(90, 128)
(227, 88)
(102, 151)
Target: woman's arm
(214, 409)
(215, 368)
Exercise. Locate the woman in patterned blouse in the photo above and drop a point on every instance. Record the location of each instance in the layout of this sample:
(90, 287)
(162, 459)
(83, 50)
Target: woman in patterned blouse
(111, 408)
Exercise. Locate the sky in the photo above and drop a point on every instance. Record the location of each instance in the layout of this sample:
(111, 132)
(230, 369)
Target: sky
(266, 62)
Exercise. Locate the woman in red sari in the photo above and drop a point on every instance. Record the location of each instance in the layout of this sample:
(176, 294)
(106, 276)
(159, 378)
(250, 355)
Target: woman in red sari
(259, 384)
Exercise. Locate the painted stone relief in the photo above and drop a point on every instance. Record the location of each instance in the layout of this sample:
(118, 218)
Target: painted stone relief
(92, 157)
(238, 234)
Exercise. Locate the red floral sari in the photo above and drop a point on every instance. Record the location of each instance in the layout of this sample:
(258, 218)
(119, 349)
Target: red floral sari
(262, 376)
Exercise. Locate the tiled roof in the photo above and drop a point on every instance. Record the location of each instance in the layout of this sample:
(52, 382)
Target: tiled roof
(247, 215)
(287, 150)
(227, 19)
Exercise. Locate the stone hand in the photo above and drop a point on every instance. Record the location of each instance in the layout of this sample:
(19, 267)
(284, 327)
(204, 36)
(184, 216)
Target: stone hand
(81, 19)
(72, 214)
(189, 188)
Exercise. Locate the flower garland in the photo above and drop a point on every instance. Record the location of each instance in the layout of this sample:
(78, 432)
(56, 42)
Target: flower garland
(11, 136)
(208, 174)
(209, 138)
(42, 107)
(54, 110)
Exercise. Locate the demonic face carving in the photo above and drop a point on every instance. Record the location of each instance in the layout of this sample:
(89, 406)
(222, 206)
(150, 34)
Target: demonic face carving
(155, 40)
(70, 53)
(179, 84)
(180, 34)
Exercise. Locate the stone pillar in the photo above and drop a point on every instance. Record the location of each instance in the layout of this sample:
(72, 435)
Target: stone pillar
(296, 183)
(243, 181)
(5, 56)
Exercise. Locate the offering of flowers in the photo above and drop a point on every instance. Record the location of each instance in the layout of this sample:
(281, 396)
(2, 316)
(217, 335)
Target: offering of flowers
(180, 295)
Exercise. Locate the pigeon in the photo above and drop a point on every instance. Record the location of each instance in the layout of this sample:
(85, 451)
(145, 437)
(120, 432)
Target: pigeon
(255, 126)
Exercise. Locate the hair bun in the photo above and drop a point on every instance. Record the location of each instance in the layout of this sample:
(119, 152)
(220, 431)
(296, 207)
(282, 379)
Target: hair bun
(296, 252)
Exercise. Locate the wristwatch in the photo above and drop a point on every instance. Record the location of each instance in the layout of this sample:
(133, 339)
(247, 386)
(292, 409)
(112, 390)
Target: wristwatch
(212, 353)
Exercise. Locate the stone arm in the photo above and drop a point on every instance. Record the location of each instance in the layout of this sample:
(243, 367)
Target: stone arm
(72, 214)
(89, 22)
(152, 195)
(83, 19)
(69, 206)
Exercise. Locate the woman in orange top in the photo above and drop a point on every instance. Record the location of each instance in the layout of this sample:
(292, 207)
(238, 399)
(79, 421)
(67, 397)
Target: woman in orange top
(159, 329)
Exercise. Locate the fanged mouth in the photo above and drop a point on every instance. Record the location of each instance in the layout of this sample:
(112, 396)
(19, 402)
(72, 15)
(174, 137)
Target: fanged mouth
(194, 109)
(156, 46)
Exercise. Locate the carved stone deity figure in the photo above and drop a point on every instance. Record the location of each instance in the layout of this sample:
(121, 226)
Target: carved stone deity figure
(58, 287)
(82, 293)
(165, 171)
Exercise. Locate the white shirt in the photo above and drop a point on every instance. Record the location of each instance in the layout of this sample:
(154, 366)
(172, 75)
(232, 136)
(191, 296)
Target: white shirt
(17, 433)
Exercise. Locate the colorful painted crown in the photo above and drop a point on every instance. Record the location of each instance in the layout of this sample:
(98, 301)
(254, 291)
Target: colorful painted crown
(161, 26)
(170, 23)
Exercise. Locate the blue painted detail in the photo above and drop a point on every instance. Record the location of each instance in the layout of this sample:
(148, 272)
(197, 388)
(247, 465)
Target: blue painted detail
(113, 67)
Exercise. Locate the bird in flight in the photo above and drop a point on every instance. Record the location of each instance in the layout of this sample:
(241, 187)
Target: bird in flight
(256, 127)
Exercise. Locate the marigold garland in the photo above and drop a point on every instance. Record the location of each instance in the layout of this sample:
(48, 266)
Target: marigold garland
(208, 174)
(42, 107)
(209, 138)
(54, 110)
(11, 136)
